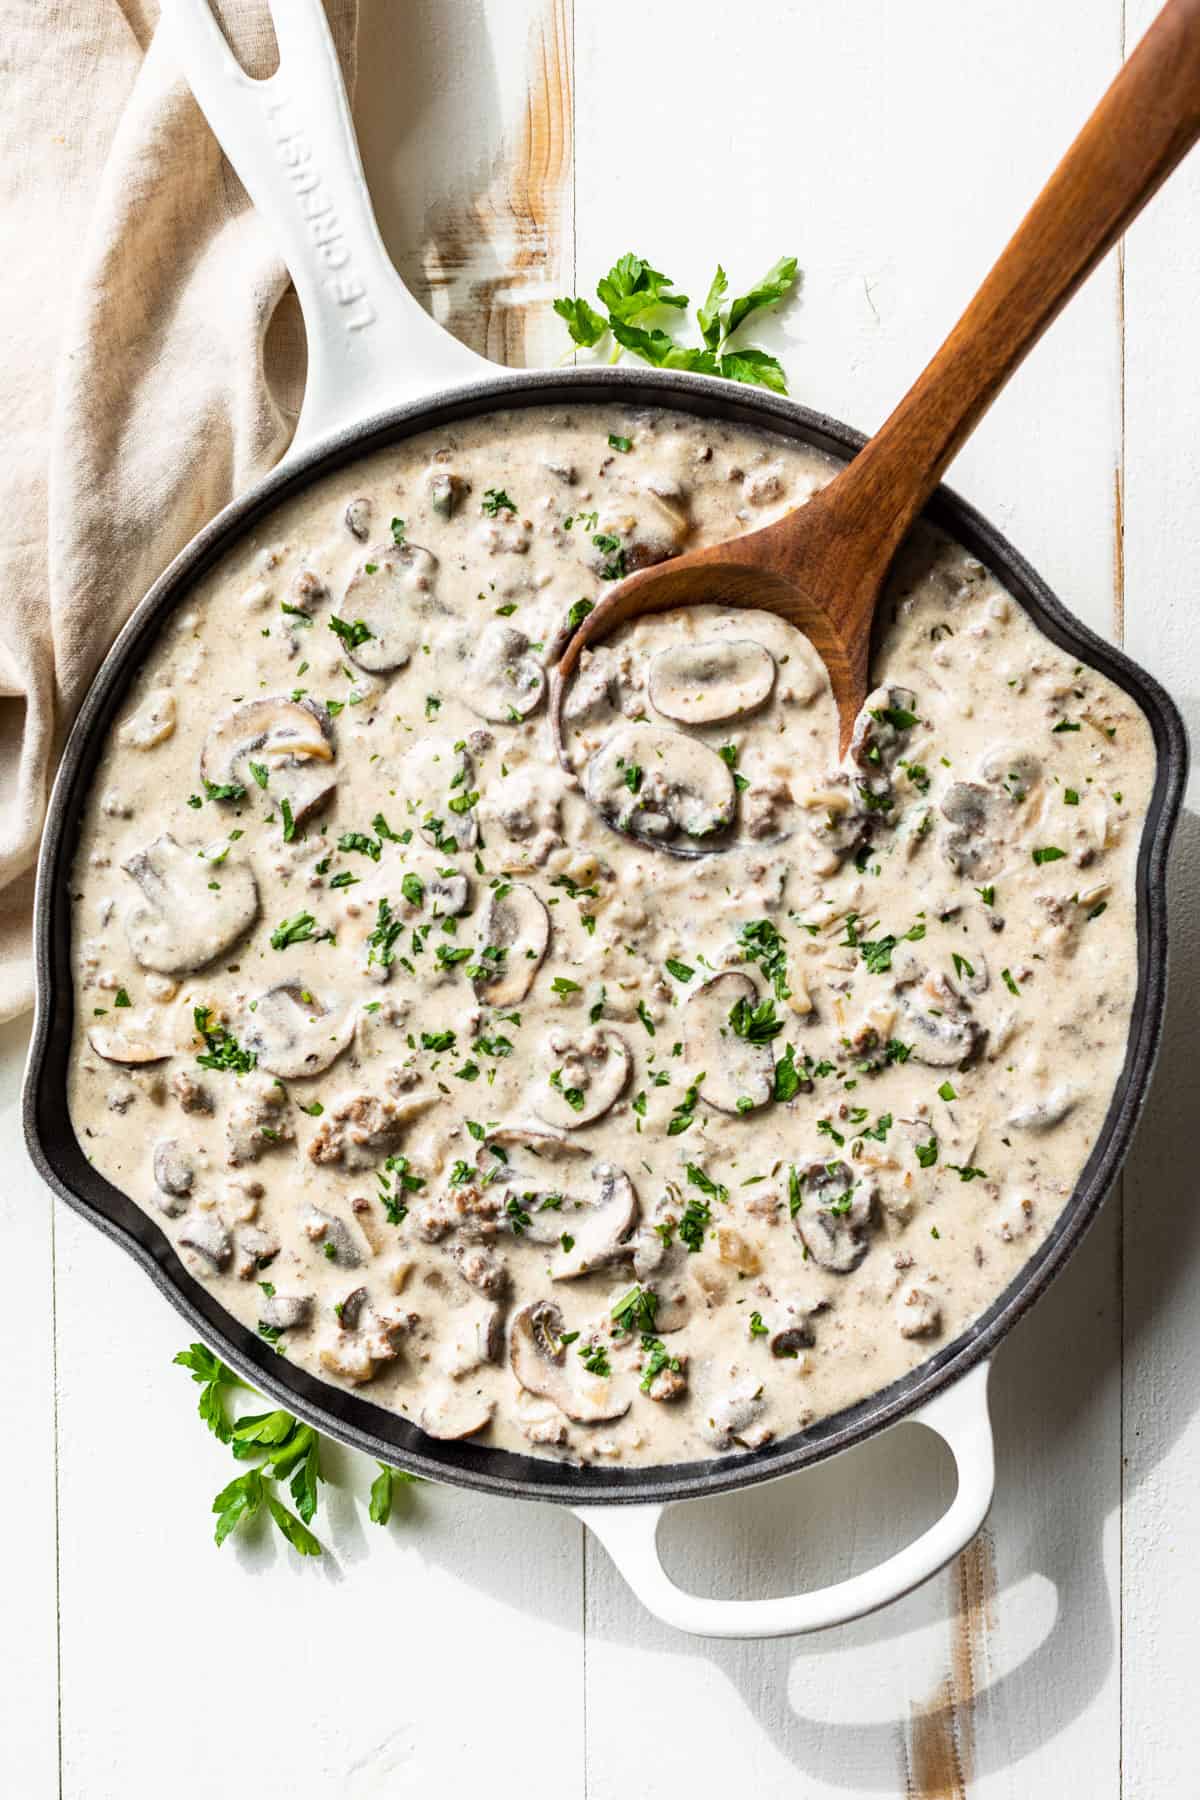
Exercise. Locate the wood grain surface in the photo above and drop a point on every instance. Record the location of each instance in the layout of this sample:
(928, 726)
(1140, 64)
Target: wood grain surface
(515, 148)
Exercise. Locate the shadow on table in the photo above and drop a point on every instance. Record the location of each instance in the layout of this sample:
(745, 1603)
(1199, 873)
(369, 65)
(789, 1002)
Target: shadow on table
(1052, 1402)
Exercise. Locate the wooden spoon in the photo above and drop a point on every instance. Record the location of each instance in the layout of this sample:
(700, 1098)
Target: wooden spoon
(822, 566)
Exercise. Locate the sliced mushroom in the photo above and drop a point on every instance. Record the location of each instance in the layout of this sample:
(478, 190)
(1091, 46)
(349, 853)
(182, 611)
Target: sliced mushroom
(942, 1035)
(335, 1238)
(174, 1171)
(969, 846)
(880, 733)
(542, 1365)
(1011, 767)
(256, 1250)
(835, 1215)
(132, 1042)
(447, 896)
(739, 1074)
(190, 911)
(633, 534)
(293, 1033)
(600, 1223)
(285, 1312)
(455, 1412)
(392, 596)
(1044, 1113)
(656, 784)
(502, 681)
(719, 678)
(476, 1336)
(588, 1075)
(205, 1233)
(446, 492)
(358, 518)
(593, 693)
(290, 740)
(516, 933)
(525, 1168)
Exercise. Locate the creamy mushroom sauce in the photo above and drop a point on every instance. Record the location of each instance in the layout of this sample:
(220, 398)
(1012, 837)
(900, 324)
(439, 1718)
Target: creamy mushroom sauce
(536, 1130)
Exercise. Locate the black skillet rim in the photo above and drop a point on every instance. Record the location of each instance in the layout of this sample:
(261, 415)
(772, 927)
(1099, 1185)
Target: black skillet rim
(348, 1416)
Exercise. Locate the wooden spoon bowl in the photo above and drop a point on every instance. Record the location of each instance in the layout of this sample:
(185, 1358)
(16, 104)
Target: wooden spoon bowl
(822, 567)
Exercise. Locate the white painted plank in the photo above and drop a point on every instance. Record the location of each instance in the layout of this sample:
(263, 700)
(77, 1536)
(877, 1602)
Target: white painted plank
(343, 1676)
(1162, 1241)
(399, 1663)
(893, 151)
(28, 1640)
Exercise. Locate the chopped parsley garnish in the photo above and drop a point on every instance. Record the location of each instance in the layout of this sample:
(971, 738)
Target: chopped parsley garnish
(224, 790)
(696, 1219)
(685, 1113)
(643, 1013)
(1047, 853)
(788, 1078)
(296, 930)
(658, 1358)
(573, 1096)
(987, 894)
(946, 1091)
(728, 754)
(351, 634)
(1006, 975)
(757, 1328)
(577, 613)
(121, 998)
(762, 943)
(757, 1024)
(437, 1040)
(965, 1172)
(636, 1310)
(633, 778)
(595, 1359)
(1067, 725)
(562, 985)
(962, 966)
(927, 1154)
(221, 1048)
(496, 500)
(623, 444)
(714, 1190)
(382, 942)
(679, 970)
(260, 773)
(289, 823)
(827, 1129)
(398, 530)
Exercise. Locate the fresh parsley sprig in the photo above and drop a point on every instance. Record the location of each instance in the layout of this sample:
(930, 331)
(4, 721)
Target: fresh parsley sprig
(281, 1449)
(632, 292)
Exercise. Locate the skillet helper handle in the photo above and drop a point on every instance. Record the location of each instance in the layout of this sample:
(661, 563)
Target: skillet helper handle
(959, 1417)
(290, 138)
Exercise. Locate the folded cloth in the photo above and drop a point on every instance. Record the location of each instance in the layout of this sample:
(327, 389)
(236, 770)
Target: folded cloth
(153, 363)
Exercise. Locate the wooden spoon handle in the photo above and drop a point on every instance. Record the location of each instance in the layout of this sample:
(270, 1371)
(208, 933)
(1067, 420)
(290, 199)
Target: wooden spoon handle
(1144, 125)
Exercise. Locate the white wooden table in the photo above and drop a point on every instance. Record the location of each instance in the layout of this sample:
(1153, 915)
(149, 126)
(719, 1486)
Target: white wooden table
(516, 148)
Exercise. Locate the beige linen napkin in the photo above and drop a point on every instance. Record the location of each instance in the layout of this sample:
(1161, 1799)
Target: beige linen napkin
(152, 363)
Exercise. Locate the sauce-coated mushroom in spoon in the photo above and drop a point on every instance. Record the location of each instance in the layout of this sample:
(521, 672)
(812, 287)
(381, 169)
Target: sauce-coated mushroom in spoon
(822, 566)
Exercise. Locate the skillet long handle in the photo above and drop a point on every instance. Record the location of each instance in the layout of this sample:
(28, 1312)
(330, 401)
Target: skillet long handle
(1140, 131)
(291, 140)
(959, 1416)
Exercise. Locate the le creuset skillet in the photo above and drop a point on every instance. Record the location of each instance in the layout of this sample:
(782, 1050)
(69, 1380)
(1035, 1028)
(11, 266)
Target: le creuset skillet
(381, 370)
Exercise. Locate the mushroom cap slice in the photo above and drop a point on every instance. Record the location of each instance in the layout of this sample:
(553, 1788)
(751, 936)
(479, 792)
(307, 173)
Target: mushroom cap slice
(526, 1166)
(541, 1365)
(293, 1033)
(718, 678)
(516, 933)
(939, 1039)
(392, 594)
(833, 1219)
(736, 1069)
(327, 1229)
(454, 1412)
(660, 785)
(502, 680)
(182, 921)
(593, 1072)
(291, 739)
(128, 1043)
(174, 1169)
(600, 1225)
